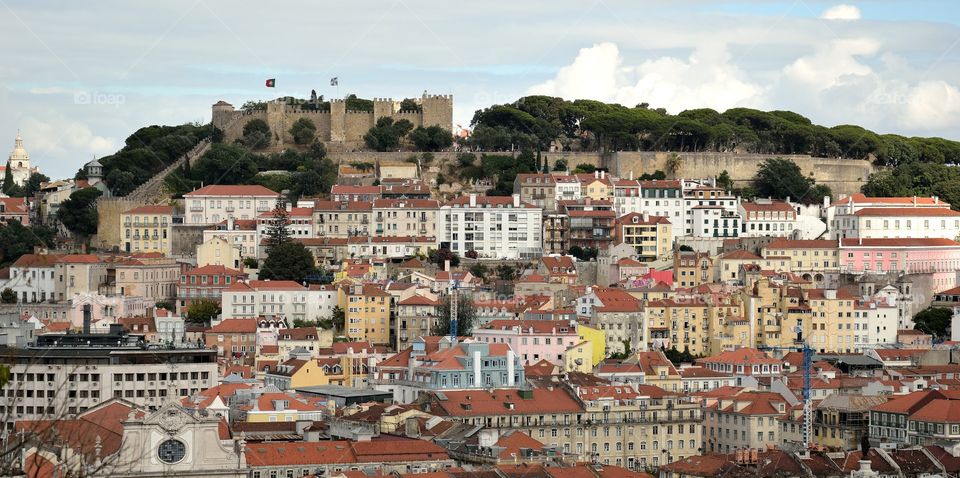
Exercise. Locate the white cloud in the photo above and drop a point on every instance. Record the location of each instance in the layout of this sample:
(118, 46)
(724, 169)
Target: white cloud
(58, 135)
(706, 79)
(931, 104)
(841, 12)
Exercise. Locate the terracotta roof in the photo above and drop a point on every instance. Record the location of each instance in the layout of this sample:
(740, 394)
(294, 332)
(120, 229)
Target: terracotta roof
(741, 356)
(898, 242)
(234, 326)
(462, 403)
(741, 255)
(555, 327)
(232, 190)
(156, 209)
(907, 211)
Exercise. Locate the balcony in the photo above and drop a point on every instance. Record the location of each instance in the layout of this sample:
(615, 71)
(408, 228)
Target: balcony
(196, 208)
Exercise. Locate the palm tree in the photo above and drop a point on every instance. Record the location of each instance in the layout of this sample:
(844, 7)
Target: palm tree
(674, 165)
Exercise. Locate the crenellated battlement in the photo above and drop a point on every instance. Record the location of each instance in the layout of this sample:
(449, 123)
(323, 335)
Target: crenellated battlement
(337, 126)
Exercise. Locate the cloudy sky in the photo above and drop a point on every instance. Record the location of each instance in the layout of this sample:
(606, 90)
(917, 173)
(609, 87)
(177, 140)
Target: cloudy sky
(78, 77)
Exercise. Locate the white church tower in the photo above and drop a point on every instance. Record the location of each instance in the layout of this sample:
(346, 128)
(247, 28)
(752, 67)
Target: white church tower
(19, 162)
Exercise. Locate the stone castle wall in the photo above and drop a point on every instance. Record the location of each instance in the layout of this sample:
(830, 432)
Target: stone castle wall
(340, 129)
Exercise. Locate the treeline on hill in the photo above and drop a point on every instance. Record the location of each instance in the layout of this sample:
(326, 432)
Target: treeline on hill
(303, 173)
(537, 121)
(147, 152)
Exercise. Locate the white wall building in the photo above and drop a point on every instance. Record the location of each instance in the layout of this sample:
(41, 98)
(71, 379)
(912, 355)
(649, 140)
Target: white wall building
(256, 298)
(212, 204)
(493, 226)
(766, 217)
(840, 216)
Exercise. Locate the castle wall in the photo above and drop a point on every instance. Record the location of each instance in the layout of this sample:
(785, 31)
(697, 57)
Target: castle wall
(108, 220)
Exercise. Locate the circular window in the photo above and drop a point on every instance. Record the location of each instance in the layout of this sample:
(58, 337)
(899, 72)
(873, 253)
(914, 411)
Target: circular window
(171, 451)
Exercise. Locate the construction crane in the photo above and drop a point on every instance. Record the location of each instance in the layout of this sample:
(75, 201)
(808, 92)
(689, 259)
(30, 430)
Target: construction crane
(800, 346)
(454, 296)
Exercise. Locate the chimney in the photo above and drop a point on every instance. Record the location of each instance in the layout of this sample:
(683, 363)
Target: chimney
(477, 376)
(86, 318)
(446, 265)
(596, 174)
(473, 199)
(646, 217)
(516, 200)
(510, 360)
(631, 175)
(603, 174)
(230, 223)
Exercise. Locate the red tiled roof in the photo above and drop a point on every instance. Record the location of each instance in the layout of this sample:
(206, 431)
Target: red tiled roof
(483, 402)
(232, 190)
(155, 209)
(234, 326)
(907, 211)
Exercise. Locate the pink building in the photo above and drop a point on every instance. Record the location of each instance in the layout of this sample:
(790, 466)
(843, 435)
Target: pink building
(940, 257)
(532, 340)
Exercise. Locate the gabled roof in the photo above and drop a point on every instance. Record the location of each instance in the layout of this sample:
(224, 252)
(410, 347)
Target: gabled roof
(234, 326)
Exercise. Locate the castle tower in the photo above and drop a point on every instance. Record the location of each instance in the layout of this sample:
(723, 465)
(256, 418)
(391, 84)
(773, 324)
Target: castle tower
(437, 110)
(19, 162)
(94, 172)
(222, 114)
(382, 107)
(338, 116)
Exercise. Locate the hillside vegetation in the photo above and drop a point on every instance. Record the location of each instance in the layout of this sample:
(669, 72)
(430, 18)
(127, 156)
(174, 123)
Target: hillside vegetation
(536, 122)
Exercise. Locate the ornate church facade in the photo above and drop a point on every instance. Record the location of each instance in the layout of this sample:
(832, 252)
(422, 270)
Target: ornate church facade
(19, 163)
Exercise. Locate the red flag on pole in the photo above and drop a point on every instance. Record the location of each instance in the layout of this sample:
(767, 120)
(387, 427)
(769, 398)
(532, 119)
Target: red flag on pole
(272, 82)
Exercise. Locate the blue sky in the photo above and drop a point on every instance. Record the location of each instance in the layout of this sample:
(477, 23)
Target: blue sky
(78, 78)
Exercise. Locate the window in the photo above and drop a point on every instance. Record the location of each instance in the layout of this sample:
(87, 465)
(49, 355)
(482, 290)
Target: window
(171, 451)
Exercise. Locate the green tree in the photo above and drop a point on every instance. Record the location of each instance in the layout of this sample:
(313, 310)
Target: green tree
(303, 131)
(33, 184)
(674, 164)
(9, 186)
(288, 261)
(431, 138)
(17, 240)
(724, 181)
(279, 231)
(121, 182)
(780, 178)
(202, 311)
(338, 318)
(8, 296)
(479, 270)
(386, 134)
(934, 321)
(560, 165)
(302, 324)
(466, 316)
(225, 164)
(584, 168)
(409, 104)
(256, 134)
(79, 212)
(506, 272)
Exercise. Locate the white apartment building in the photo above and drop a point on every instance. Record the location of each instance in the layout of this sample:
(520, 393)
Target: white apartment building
(62, 381)
(32, 277)
(566, 188)
(212, 204)
(841, 216)
(626, 196)
(299, 223)
(712, 221)
(493, 226)
(703, 196)
(902, 222)
(389, 247)
(766, 217)
(665, 198)
(264, 298)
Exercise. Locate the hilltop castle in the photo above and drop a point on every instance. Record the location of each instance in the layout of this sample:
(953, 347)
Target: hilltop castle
(338, 128)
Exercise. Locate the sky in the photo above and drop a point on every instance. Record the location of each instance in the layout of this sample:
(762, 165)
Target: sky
(76, 78)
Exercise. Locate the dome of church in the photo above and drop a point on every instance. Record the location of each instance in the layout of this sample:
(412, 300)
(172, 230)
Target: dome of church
(19, 153)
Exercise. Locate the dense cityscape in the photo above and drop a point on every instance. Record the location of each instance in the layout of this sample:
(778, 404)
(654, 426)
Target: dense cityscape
(328, 285)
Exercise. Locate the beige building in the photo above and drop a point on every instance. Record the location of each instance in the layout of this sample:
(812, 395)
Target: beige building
(650, 236)
(405, 217)
(336, 219)
(814, 260)
(219, 252)
(147, 229)
(416, 316)
(79, 274)
(241, 234)
(748, 420)
(367, 312)
(150, 275)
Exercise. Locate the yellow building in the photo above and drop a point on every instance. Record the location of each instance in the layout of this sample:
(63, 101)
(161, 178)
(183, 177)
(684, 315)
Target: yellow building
(811, 259)
(147, 229)
(218, 252)
(651, 236)
(366, 309)
(284, 407)
(579, 357)
(689, 323)
(596, 186)
(598, 342)
(691, 269)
